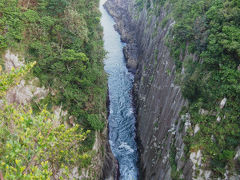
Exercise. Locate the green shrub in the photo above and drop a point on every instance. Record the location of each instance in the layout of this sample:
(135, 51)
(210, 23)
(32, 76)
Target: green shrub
(32, 143)
(210, 31)
(95, 122)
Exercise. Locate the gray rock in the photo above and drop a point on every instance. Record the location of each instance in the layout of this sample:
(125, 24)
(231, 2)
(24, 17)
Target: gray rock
(12, 61)
(130, 54)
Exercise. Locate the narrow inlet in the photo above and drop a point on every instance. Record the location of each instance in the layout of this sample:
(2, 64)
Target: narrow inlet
(121, 118)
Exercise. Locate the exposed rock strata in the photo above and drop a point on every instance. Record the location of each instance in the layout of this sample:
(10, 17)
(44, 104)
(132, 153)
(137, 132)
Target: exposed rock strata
(12, 61)
(158, 99)
(130, 54)
(25, 91)
(110, 166)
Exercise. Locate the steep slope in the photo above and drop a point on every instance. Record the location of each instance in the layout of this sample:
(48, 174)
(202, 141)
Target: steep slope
(184, 138)
(64, 38)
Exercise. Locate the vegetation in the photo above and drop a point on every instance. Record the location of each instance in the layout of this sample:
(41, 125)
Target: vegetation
(31, 144)
(64, 38)
(205, 40)
(175, 174)
(210, 30)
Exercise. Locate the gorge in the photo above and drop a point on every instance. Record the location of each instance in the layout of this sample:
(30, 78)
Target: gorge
(178, 127)
(121, 120)
(120, 89)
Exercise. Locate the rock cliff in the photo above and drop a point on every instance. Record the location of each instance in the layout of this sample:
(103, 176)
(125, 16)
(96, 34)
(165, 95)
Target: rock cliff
(158, 100)
(161, 122)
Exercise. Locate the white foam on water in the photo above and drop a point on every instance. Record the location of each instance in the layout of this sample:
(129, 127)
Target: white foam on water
(121, 113)
(130, 112)
(125, 146)
(111, 111)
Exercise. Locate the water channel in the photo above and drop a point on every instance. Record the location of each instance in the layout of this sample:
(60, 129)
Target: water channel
(121, 118)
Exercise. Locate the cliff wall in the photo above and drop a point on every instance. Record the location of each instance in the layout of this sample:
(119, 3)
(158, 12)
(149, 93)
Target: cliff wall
(162, 119)
(158, 100)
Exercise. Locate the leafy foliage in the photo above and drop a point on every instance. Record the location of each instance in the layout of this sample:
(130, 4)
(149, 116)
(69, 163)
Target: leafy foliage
(11, 25)
(210, 30)
(64, 38)
(33, 146)
(69, 52)
(12, 78)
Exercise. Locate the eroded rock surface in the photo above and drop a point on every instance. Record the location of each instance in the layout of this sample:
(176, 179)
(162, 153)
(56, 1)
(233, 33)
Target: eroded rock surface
(12, 61)
(25, 91)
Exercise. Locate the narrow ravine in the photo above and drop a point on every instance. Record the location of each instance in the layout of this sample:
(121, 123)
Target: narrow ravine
(121, 118)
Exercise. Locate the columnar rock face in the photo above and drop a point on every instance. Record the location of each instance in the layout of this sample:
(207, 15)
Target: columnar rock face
(158, 99)
(163, 124)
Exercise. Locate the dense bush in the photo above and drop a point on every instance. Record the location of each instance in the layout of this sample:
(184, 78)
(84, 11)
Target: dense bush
(64, 38)
(211, 29)
(11, 26)
(32, 146)
(95, 122)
